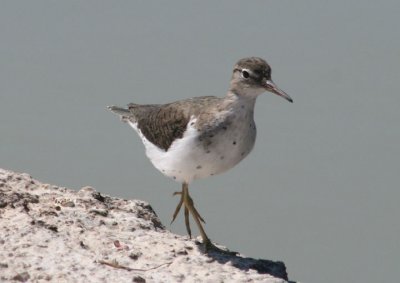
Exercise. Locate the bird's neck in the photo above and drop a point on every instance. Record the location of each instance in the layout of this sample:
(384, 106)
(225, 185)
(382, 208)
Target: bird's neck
(247, 101)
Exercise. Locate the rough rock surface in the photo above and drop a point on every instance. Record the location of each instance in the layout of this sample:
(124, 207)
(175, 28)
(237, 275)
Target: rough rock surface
(54, 234)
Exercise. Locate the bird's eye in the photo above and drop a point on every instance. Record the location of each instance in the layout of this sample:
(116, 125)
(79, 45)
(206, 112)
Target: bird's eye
(245, 74)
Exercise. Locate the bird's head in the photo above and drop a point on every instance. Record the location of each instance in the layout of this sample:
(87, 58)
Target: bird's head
(252, 76)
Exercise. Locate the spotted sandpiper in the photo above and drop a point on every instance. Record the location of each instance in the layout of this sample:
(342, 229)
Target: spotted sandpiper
(203, 136)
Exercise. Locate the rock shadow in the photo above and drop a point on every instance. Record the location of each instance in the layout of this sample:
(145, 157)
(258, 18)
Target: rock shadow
(262, 266)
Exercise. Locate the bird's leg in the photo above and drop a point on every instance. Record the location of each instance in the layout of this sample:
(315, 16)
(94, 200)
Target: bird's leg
(186, 213)
(187, 223)
(188, 201)
(189, 208)
(178, 207)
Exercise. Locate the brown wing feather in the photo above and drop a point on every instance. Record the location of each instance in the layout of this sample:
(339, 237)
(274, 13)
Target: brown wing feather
(160, 124)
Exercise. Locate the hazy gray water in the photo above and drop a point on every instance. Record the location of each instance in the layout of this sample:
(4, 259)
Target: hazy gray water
(320, 191)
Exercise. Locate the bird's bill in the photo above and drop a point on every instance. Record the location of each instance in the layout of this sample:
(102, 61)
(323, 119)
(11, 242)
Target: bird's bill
(272, 87)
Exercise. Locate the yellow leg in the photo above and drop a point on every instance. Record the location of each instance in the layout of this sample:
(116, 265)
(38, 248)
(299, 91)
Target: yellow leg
(187, 201)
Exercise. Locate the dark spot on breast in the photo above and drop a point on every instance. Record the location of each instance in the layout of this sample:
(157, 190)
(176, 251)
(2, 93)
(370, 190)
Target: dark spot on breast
(242, 106)
(234, 143)
(174, 177)
(198, 167)
(212, 174)
(163, 170)
(211, 136)
(224, 128)
(222, 157)
(191, 124)
(242, 153)
(208, 151)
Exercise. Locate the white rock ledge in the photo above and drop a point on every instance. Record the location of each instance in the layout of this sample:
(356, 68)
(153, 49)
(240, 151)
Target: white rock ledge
(53, 234)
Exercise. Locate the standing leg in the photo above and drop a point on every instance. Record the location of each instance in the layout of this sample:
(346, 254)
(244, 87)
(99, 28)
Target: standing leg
(187, 200)
(189, 208)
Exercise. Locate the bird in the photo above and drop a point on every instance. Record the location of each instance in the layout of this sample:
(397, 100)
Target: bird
(204, 136)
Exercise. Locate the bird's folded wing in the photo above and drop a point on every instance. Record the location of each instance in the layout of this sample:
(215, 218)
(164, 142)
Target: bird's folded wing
(160, 124)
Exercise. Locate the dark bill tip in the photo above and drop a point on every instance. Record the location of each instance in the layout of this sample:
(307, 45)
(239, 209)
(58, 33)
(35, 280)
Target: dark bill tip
(272, 87)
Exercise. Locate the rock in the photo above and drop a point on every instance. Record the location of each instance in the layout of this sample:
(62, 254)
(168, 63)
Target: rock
(51, 233)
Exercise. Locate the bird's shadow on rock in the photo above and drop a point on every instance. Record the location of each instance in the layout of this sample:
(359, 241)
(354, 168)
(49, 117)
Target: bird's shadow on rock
(262, 266)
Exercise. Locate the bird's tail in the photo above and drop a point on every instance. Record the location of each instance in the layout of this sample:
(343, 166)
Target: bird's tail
(123, 113)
